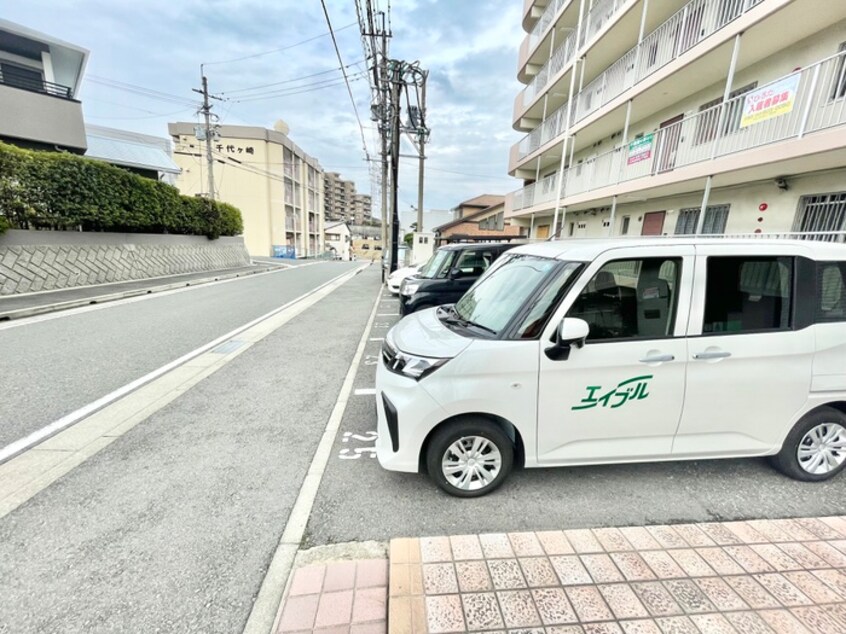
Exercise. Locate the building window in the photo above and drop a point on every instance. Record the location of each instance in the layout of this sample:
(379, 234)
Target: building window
(734, 108)
(839, 88)
(716, 217)
(824, 213)
(624, 226)
(572, 229)
(747, 294)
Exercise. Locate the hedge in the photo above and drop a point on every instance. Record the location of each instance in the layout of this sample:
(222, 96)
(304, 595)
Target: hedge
(57, 190)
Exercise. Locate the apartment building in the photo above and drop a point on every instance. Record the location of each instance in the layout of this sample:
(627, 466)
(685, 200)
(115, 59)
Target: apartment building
(343, 202)
(275, 184)
(673, 117)
(40, 78)
(362, 209)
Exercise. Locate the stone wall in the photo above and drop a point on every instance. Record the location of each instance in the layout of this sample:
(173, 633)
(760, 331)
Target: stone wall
(32, 261)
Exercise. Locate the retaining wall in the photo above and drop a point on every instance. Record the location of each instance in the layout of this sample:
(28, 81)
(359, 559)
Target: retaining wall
(33, 261)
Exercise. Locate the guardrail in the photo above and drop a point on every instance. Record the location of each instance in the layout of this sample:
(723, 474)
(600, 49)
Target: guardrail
(25, 82)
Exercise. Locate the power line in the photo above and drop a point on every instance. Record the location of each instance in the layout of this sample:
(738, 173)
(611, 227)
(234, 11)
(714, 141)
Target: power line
(296, 90)
(139, 90)
(287, 81)
(277, 50)
(346, 80)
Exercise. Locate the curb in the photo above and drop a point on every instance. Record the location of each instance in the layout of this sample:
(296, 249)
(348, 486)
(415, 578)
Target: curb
(110, 297)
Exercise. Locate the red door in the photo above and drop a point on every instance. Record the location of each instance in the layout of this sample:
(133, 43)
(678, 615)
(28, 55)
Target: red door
(670, 134)
(653, 223)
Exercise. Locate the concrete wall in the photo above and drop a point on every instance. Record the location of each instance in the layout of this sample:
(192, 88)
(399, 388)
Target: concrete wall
(32, 261)
(40, 118)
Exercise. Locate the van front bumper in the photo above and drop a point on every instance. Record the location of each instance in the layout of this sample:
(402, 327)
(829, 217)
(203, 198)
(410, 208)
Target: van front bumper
(406, 414)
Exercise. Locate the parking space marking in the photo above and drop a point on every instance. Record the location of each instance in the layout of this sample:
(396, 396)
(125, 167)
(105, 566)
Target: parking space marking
(376, 339)
(365, 391)
(386, 315)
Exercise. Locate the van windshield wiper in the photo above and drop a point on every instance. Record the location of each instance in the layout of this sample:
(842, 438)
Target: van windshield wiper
(453, 317)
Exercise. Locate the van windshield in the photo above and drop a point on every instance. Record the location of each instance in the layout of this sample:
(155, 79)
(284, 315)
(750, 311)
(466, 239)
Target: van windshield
(501, 293)
(438, 265)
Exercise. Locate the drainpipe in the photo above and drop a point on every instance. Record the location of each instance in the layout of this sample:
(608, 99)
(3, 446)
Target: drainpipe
(613, 215)
(700, 222)
(735, 52)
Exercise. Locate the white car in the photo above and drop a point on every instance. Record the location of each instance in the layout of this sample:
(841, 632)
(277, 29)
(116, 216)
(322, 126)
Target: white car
(395, 279)
(607, 351)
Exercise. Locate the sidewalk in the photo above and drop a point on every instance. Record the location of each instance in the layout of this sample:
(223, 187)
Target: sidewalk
(28, 304)
(763, 576)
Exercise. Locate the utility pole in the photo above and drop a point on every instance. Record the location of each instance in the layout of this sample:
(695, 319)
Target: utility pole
(206, 110)
(396, 80)
(421, 149)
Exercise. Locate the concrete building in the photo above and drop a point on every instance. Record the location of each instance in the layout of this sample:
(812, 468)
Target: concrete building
(362, 208)
(142, 154)
(343, 202)
(641, 115)
(275, 184)
(40, 78)
(339, 240)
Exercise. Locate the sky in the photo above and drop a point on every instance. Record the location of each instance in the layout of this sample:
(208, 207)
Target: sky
(469, 47)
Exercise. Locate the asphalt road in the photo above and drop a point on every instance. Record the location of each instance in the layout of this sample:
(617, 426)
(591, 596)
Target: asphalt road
(171, 527)
(51, 368)
(356, 492)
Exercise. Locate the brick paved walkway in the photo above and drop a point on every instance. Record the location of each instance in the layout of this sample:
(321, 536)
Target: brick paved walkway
(767, 576)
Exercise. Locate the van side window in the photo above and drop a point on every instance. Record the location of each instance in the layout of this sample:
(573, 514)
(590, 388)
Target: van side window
(473, 263)
(831, 291)
(630, 299)
(748, 294)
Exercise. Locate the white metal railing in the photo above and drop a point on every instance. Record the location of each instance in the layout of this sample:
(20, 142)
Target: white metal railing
(599, 15)
(545, 20)
(696, 21)
(551, 127)
(563, 55)
(817, 100)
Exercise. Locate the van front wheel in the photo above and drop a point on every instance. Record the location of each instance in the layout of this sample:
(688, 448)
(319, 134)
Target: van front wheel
(815, 449)
(470, 458)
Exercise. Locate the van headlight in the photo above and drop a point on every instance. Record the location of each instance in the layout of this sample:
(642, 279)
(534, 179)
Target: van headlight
(409, 289)
(409, 365)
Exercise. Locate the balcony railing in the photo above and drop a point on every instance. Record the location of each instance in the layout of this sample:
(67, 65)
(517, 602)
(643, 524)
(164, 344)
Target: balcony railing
(804, 102)
(552, 126)
(562, 56)
(545, 20)
(696, 21)
(34, 84)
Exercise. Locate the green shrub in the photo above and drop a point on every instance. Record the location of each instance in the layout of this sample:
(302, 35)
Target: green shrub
(4, 225)
(56, 190)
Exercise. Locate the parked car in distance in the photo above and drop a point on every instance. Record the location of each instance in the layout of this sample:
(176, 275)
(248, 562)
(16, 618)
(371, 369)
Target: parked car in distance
(448, 274)
(395, 279)
(609, 351)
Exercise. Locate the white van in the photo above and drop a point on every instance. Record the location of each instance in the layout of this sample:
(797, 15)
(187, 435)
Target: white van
(600, 351)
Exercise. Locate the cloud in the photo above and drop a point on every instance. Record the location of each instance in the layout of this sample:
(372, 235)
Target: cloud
(469, 47)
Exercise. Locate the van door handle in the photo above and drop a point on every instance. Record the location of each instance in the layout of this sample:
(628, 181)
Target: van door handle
(711, 354)
(658, 358)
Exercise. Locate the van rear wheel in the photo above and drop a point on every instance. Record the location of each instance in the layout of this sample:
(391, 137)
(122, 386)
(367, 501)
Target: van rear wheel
(815, 449)
(470, 458)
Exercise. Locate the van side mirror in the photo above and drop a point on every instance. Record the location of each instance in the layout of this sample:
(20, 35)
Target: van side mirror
(454, 273)
(571, 332)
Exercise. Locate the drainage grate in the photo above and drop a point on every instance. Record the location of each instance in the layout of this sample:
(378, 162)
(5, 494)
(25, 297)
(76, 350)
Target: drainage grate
(228, 346)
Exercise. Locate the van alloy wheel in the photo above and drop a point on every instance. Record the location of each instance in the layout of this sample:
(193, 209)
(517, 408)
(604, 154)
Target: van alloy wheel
(471, 463)
(822, 448)
(815, 449)
(469, 456)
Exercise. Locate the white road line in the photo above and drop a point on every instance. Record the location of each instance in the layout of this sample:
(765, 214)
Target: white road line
(266, 606)
(26, 321)
(387, 315)
(365, 391)
(69, 419)
(376, 339)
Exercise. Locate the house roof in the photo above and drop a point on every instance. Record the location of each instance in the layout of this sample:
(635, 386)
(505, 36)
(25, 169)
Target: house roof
(332, 225)
(468, 217)
(484, 201)
(128, 149)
